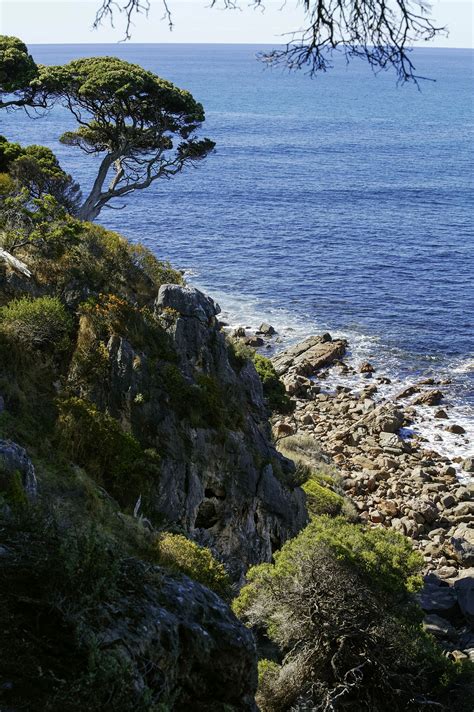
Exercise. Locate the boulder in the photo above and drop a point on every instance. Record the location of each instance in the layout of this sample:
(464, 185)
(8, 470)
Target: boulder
(436, 598)
(310, 355)
(430, 398)
(407, 392)
(366, 367)
(468, 464)
(439, 627)
(462, 542)
(464, 587)
(14, 458)
(456, 429)
(187, 301)
(266, 330)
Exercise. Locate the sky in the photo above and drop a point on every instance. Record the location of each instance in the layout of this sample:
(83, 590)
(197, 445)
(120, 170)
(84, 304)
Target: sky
(70, 21)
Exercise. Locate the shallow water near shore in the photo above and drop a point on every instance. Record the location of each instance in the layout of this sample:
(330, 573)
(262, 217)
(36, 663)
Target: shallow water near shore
(342, 204)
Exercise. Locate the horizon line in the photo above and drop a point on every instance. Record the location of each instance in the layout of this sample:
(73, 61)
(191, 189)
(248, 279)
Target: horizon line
(235, 44)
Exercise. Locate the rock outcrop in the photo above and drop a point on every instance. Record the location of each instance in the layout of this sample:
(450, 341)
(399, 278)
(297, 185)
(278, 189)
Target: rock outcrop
(221, 478)
(14, 458)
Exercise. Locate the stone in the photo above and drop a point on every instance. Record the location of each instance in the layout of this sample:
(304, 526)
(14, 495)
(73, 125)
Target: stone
(468, 464)
(389, 508)
(407, 392)
(187, 301)
(456, 429)
(436, 598)
(441, 414)
(462, 542)
(366, 367)
(254, 341)
(239, 333)
(310, 355)
(448, 501)
(266, 330)
(464, 587)
(430, 398)
(14, 458)
(439, 627)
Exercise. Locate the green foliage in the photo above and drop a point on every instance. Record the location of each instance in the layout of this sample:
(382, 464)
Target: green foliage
(14, 492)
(204, 403)
(338, 603)
(8, 153)
(273, 388)
(239, 353)
(176, 552)
(56, 585)
(96, 441)
(17, 67)
(37, 323)
(321, 500)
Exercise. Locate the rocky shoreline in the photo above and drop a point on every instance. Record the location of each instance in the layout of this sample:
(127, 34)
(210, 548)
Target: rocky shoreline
(389, 474)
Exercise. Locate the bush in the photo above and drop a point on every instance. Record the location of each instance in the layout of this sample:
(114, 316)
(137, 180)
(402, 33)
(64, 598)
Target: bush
(176, 552)
(58, 587)
(37, 322)
(321, 500)
(273, 389)
(204, 404)
(337, 602)
(96, 441)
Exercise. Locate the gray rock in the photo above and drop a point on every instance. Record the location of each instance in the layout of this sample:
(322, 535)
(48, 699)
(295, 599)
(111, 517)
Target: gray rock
(462, 542)
(435, 598)
(464, 587)
(266, 330)
(468, 464)
(187, 301)
(456, 429)
(431, 398)
(14, 458)
(439, 627)
(310, 355)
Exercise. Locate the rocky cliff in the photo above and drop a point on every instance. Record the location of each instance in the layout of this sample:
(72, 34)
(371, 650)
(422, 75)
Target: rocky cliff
(124, 408)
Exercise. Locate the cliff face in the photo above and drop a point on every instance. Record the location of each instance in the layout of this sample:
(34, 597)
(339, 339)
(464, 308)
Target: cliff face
(220, 478)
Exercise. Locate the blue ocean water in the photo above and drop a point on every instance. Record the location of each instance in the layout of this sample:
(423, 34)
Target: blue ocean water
(341, 203)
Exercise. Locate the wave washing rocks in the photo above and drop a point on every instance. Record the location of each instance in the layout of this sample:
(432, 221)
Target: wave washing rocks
(390, 476)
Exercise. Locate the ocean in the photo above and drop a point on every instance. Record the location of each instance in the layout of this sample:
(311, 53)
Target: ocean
(341, 203)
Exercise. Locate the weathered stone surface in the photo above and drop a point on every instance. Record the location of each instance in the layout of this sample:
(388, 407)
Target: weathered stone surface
(455, 428)
(435, 598)
(246, 525)
(468, 464)
(14, 458)
(310, 355)
(433, 397)
(464, 587)
(266, 330)
(439, 627)
(462, 542)
(188, 301)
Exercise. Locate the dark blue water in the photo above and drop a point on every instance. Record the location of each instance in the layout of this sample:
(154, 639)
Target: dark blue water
(342, 202)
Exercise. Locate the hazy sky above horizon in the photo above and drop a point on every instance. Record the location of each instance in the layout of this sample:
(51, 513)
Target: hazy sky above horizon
(70, 21)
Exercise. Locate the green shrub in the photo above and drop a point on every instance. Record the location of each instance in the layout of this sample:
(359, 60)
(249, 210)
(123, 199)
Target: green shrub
(59, 589)
(37, 322)
(321, 500)
(239, 353)
(206, 403)
(176, 552)
(273, 388)
(338, 604)
(96, 441)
